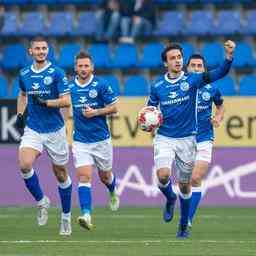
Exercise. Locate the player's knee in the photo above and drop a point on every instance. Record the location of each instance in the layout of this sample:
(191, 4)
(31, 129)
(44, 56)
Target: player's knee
(84, 178)
(25, 165)
(104, 178)
(184, 188)
(60, 173)
(196, 180)
(163, 179)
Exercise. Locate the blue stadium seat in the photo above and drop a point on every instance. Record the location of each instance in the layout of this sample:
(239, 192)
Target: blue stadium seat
(183, 1)
(125, 56)
(113, 81)
(248, 85)
(201, 23)
(136, 85)
(250, 23)
(226, 86)
(151, 55)
(10, 24)
(67, 55)
(15, 88)
(89, 19)
(15, 1)
(243, 56)
(3, 87)
(213, 54)
(188, 50)
(100, 54)
(14, 56)
(44, 1)
(61, 24)
(171, 23)
(228, 23)
(33, 24)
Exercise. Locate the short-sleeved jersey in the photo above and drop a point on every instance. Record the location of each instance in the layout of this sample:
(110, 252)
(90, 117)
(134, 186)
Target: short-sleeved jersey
(49, 83)
(96, 93)
(206, 96)
(177, 99)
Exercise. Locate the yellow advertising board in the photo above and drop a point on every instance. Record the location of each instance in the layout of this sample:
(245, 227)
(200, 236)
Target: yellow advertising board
(238, 128)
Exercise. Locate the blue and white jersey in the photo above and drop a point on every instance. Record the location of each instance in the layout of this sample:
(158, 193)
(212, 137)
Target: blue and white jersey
(49, 82)
(177, 99)
(206, 96)
(96, 93)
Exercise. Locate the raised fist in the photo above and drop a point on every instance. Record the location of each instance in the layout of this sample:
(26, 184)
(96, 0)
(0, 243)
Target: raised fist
(229, 49)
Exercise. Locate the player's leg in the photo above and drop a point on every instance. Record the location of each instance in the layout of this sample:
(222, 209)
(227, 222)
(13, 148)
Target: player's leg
(84, 162)
(30, 148)
(163, 158)
(203, 158)
(103, 157)
(57, 149)
(184, 161)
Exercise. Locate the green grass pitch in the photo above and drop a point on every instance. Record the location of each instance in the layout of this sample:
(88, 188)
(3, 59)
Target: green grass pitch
(130, 231)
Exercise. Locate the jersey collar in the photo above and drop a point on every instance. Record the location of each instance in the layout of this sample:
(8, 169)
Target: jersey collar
(173, 81)
(85, 84)
(42, 69)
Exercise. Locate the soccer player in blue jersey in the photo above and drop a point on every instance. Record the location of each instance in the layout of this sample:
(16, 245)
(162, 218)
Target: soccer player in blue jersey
(176, 95)
(207, 95)
(92, 100)
(43, 91)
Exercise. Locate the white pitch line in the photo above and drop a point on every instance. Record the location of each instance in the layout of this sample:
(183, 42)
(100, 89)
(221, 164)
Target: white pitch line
(126, 241)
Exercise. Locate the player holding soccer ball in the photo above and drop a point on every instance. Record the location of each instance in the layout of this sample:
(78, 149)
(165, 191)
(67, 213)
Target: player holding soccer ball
(44, 90)
(92, 100)
(206, 96)
(176, 94)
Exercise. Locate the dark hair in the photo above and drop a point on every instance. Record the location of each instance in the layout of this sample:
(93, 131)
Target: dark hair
(169, 48)
(38, 39)
(83, 55)
(197, 56)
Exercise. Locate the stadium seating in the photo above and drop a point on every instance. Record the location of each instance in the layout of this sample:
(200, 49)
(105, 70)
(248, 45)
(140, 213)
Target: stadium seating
(60, 24)
(171, 23)
(228, 23)
(151, 55)
(15, 88)
(248, 85)
(113, 81)
(100, 54)
(213, 54)
(125, 56)
(14, 56)
(244, 56)
(86, 24)
(3, 87)
(188, 50)
(136, 85)
(10, 24)
(250, 23)
(33, 23)
(226, 86)
(67, 55)
(201, 23)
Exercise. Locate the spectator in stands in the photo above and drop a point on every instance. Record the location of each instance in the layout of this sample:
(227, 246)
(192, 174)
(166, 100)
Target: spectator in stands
(2, 10)
(108, 18)
(140, 19)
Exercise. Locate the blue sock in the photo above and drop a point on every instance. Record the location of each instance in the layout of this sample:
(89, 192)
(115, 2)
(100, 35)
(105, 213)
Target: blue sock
(65, 192)
(85, 197)
(184, 208)
(167, 191)
(32, 184)
(195, 200)
(111, 187)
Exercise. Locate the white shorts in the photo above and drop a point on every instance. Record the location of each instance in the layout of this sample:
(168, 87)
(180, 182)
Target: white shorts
(55, 143)
(181, 150)
(99, 154)
(204, 151)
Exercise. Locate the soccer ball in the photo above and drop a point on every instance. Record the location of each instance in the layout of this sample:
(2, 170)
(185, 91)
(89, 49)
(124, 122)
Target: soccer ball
(149, 118)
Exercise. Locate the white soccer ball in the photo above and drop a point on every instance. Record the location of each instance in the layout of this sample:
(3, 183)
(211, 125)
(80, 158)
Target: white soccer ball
(149, 118)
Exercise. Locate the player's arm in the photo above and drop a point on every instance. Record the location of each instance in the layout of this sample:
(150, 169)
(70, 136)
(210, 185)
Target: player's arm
(220, 109)
(21, 106)
(221, 71)
(107, 110)
(153, 98)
